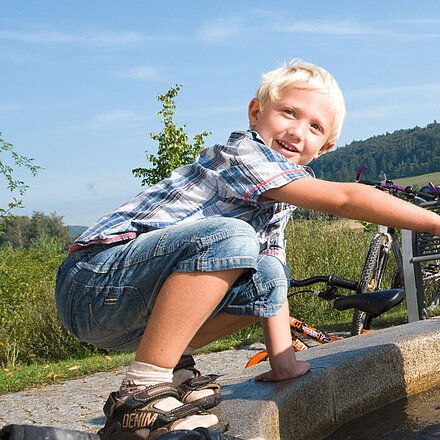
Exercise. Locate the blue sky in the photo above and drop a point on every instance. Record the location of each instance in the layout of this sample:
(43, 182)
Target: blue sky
(79, 80)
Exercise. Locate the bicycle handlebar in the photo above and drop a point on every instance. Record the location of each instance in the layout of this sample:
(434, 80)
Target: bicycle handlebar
(409, 191)
(330, 280)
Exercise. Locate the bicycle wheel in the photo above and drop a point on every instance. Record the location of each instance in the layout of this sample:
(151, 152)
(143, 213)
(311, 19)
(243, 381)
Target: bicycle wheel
(431, 281)
(371, 277)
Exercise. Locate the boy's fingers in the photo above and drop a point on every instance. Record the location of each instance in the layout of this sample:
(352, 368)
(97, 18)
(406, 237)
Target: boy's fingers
(268, 376)
(262, 377)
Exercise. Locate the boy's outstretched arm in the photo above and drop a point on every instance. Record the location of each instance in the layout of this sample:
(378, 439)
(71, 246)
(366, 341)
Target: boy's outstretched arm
(356, 201)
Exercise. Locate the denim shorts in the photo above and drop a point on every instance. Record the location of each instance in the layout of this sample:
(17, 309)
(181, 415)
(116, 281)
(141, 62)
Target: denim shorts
(105, 293)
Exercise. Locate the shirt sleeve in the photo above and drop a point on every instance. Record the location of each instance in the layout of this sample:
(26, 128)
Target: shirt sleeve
(255, 168)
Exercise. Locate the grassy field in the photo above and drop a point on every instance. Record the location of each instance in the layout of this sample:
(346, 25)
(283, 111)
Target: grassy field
(21, 377)
(419, 181)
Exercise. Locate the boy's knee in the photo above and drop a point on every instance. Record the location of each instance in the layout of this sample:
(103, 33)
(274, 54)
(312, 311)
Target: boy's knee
(264, 293)
(271, 268)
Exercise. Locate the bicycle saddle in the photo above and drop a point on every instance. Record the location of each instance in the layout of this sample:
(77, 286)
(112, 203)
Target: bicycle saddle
(374, 303)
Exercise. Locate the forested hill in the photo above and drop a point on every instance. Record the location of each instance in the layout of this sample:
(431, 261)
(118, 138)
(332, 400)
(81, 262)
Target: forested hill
(403, 153)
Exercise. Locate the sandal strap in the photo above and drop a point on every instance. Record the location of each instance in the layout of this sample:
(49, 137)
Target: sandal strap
(200, 383)
(152, 392)
(112, 402)
(144, 402)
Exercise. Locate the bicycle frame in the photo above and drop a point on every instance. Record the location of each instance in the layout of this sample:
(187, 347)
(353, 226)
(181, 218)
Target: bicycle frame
(297, 326)
(382, 244)
(330, 292)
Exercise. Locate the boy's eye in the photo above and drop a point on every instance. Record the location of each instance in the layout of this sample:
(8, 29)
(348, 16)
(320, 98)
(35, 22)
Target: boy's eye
(290, 112)
(317, 127)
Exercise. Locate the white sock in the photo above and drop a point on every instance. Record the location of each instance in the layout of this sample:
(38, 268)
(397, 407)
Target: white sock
(142, 374)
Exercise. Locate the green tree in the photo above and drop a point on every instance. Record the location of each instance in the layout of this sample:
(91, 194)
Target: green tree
(38, 231)
(16, 231)
(174, 148)
(9, 161)
(48, 229)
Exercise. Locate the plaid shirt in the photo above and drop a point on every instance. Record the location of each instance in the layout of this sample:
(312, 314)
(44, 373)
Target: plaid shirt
(225, 180)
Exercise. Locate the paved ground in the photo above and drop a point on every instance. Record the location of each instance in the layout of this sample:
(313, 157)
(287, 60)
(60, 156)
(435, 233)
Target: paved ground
(364, 373)
(77, 404)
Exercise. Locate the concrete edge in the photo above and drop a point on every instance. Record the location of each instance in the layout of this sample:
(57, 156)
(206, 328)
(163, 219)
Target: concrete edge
(349, 378)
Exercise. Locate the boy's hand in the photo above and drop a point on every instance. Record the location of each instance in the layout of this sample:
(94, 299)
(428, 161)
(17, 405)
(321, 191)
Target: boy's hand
(437, 230)
(299, 368)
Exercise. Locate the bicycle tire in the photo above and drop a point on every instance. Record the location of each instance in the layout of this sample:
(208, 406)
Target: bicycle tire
(397, 281)
(432, 291)
(370, 278)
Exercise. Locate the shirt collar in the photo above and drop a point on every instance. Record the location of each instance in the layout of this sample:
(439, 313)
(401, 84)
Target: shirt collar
(256, 136)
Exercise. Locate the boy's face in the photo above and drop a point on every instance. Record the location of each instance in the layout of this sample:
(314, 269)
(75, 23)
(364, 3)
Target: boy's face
(297, 125)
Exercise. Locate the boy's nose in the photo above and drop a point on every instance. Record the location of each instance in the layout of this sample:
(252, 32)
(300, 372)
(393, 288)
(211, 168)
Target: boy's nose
(297, 130)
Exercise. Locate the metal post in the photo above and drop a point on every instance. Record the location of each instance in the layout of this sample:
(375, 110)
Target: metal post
(412, 304)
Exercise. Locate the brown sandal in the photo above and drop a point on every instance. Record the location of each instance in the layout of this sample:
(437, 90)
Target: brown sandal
(137, 418)
(198, 383)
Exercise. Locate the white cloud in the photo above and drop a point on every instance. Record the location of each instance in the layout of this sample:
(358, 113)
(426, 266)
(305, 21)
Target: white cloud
(119, 117)
(384, 111)
(228, 29)
(227, 109)
(142, 73)
(418, 89)
(344, 27)
(221, 29)
(88, 37)
(7, 107)
(419, 21)
(393, 102)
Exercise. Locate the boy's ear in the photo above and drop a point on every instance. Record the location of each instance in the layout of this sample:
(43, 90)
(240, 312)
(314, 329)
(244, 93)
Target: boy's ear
(253, 112)
(325, 148)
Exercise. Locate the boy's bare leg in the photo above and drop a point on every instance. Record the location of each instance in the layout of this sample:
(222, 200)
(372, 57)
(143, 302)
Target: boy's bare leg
(221, 325)
(184, 303)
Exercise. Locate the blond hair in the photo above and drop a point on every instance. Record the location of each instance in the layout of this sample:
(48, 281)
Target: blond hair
(304, 76)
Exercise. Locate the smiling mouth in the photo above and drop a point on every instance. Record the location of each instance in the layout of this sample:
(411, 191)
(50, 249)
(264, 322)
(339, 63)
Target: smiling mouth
(288, 147)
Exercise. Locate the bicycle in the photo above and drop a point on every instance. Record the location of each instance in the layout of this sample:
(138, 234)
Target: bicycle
(386, 242)
(374, 303)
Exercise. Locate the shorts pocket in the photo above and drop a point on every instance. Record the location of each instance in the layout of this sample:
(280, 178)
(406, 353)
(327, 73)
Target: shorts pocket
(116, 308)
(107, 313)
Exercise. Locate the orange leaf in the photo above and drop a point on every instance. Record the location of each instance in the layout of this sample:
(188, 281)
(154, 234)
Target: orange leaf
(74, 368)
(53, 375)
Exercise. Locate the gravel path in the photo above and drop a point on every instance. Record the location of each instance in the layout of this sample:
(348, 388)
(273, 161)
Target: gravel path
(77, 404)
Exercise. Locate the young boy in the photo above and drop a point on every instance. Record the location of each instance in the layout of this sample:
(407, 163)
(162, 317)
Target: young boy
(201, 254)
